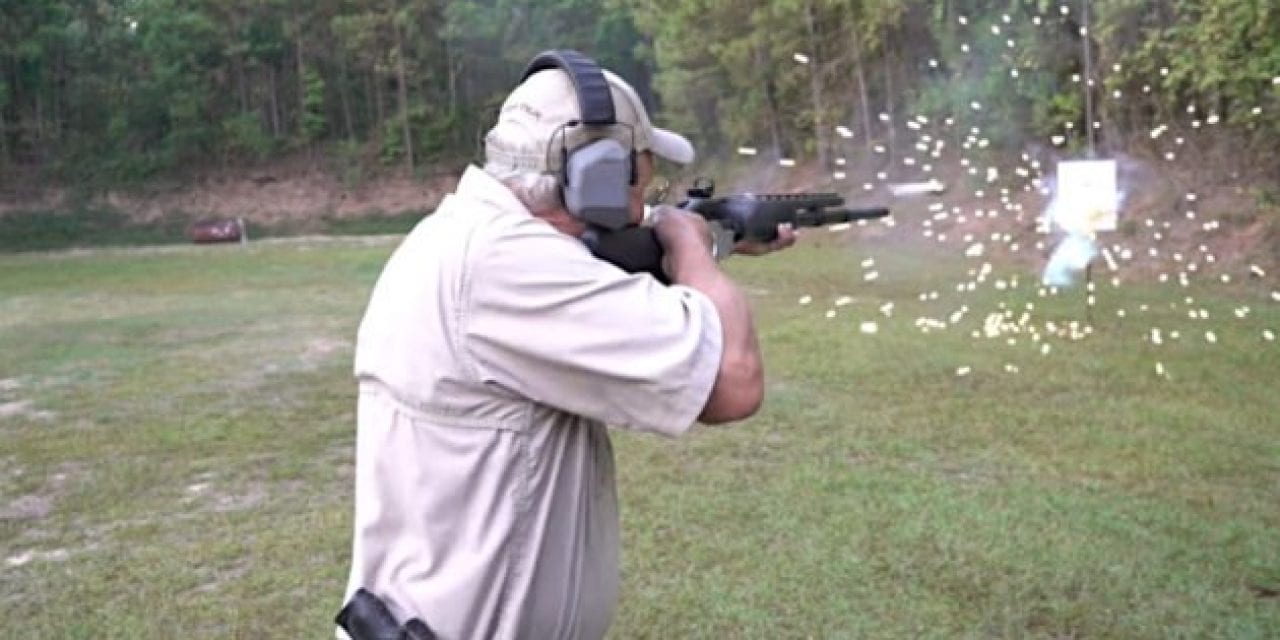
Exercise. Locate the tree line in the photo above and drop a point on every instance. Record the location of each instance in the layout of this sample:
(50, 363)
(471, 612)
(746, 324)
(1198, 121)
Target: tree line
(122, 90)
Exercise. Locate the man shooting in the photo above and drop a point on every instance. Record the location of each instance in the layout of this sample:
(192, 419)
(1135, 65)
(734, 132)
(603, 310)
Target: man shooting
(495, 350)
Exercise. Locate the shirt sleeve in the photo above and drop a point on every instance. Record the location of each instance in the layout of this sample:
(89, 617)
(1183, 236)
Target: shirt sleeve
(552, 323)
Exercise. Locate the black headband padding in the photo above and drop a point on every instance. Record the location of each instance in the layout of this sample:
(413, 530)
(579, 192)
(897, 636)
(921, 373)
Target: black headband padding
(594, 100)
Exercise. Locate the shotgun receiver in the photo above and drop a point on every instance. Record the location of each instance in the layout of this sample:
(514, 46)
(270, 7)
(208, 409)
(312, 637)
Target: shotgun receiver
(734, 218)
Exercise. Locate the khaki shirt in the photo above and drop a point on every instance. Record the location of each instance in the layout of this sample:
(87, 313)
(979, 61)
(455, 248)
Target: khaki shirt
(494, 351)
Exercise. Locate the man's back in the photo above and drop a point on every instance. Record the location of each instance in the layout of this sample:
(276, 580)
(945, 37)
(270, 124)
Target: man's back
(493, 351)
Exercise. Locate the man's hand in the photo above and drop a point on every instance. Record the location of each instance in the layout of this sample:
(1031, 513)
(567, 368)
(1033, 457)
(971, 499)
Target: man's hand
(677, 229)
(786, 237)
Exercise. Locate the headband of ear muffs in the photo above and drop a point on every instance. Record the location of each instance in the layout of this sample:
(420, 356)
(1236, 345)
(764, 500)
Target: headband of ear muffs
(595, 178)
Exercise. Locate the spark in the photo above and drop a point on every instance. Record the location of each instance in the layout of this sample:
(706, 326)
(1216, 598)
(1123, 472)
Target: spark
(844, 131)
(787, 162)
(831, 313)
(1210, 337)
(963, 371)
(747, 151)
(1268, 335)
(806, 300)
(800, 58)
(869, 327)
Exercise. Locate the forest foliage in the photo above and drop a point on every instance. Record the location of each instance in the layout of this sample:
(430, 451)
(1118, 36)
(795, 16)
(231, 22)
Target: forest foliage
(106, 91)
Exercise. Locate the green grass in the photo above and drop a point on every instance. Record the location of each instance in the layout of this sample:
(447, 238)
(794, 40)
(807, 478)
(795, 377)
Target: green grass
(182, 465)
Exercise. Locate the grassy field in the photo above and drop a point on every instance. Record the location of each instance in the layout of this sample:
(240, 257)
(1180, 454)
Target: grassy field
(177, 429)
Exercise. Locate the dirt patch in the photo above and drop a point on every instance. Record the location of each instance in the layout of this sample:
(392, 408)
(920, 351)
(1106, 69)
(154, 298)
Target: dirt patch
(17, 408)
(55, 555)
(28, 507)
(278, 195)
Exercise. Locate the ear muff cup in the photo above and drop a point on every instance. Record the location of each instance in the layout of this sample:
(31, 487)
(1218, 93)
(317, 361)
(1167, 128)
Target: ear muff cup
(595, 183)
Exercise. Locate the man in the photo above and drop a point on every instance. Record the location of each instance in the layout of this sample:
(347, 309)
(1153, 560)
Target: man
(494, 351)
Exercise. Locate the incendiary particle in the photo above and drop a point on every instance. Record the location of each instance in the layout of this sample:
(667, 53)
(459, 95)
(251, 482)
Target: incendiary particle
(1045, 349)
(1257, 271)
(747, 151)
(868, 263)
(787, 162)
(1275, 295)
(806, 299)
(1268, 335)
(1210, 337)
(843, 300)
(800, 58)
(1155, 336)
(887, 309)
(870, 275)
(1160, 370)
(831, 313)
(963, 371)
(869, 327)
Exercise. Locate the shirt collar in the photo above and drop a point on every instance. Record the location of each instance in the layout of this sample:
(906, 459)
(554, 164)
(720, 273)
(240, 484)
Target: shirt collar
(479, 185)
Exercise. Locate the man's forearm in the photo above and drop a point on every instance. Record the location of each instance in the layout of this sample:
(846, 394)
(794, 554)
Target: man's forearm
(739, 383)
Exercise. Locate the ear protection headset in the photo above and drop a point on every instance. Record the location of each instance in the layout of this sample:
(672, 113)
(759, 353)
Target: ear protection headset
(595, 179)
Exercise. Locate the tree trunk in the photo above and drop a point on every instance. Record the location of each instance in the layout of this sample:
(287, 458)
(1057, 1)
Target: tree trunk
(771, 102)
(373, 89)
(273, 101)
(302, 85)
(344, 94)
(815, 89)
(4, 137)
(402, 89)
(242, 83)
(451, 69)
(860, 76)
(891, 138)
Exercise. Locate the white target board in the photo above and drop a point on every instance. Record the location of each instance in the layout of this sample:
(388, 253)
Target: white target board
(1087, 199)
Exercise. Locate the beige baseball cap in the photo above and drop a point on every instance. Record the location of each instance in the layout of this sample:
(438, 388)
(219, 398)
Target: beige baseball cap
(528, 133)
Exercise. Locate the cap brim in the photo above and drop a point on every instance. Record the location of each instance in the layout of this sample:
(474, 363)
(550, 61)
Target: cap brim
(671, 145)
